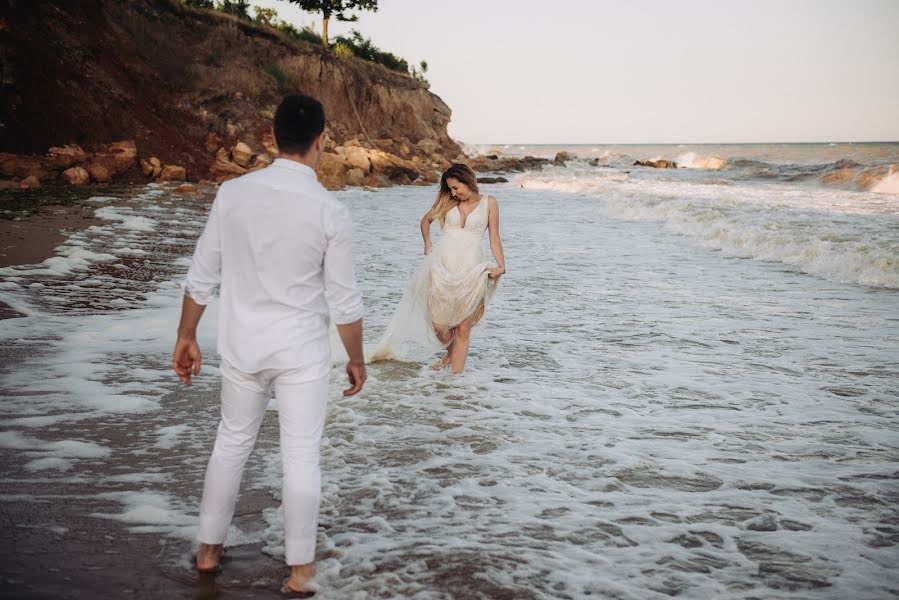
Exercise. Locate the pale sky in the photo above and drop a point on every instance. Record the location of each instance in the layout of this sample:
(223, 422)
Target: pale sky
(648, 71)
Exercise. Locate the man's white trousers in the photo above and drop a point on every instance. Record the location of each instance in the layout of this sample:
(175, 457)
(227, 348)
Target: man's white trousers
(302, 405)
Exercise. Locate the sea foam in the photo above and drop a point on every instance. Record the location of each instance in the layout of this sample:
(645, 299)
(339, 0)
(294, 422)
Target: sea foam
(889, 184)
(845, 236)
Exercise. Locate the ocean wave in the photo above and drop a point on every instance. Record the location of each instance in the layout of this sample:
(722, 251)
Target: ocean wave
(850, 238)
(690, 160)
(889, 184)
(882, 179)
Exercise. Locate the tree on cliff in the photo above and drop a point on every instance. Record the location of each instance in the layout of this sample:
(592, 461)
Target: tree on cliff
(337, 9)
(238, 8)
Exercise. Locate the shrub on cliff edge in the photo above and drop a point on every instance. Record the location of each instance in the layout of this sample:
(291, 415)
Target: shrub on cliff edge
(306, 34)
(363, 48)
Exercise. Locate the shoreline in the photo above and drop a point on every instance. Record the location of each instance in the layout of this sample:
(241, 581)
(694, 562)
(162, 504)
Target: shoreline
(31, 239)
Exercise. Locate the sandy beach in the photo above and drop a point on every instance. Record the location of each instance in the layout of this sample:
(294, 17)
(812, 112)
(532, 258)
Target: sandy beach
(31, 239)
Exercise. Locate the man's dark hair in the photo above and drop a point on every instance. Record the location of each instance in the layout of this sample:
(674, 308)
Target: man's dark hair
(298, 121)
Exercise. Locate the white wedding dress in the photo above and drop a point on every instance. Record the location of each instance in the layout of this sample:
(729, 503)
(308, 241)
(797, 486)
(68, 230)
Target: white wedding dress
(449, 286)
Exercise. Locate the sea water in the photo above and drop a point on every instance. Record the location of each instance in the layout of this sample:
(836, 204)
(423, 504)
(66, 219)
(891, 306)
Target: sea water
(687, 385)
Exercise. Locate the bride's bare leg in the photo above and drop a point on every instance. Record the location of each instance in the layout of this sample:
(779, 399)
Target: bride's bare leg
(459, 352)
(445, 360)
(444, 334)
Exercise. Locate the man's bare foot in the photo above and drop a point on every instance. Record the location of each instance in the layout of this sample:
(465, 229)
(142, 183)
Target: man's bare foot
(298, 582)
(209, 557)
(442, 363)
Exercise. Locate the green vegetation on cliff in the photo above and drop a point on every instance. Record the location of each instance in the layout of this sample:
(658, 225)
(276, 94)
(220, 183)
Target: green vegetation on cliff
(354, 44)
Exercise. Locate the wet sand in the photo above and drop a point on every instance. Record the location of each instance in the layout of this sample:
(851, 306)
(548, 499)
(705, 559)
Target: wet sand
(59, 546)
(31, 239)
(56, 548)
(98, 558)
(33, 223)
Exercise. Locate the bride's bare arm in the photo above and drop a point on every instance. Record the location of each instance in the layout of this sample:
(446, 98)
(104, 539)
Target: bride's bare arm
(426, 231)
(496, 245)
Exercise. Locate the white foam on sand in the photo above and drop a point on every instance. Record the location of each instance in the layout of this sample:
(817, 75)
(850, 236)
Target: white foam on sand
(49, 463)
(59, 448)
(127, 219)
(95, 365)
(169, 436)
(154, 512)
(139, 478)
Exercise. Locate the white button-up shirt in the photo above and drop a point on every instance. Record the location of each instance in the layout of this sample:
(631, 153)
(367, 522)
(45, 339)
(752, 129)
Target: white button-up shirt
(276, 243)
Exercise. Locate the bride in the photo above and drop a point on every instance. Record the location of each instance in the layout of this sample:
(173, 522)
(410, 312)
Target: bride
(450, 291)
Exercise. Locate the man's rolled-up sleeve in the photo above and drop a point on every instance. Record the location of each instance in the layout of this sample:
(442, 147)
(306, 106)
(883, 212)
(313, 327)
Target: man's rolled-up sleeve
(344, 298)
(205, 273)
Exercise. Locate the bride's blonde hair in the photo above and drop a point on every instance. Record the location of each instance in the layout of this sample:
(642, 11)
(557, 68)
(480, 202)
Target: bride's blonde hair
(445, 201)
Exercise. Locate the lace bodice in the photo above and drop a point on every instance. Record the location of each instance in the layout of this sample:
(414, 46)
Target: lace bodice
(476, 222)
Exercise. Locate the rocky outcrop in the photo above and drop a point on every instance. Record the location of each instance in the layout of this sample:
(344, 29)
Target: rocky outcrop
(76, 176)
(30, 183)
(151, 167)
(332, 171)
(485, 164)
(359, 166)
(187, 189)
(67, 156)
(108, 162)
(261, 160)
(99, 173)
(113, 160)
(392, 167)
(173, 173)
(222, 170)
(661, 163)
(15, 166)
(562, 157)
(242, 154)
(356, 157)
(355, 177)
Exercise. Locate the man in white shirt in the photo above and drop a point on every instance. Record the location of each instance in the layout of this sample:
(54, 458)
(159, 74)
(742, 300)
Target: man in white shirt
(278, 245)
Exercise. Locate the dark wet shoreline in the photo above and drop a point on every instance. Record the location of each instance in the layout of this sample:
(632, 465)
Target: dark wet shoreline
(99, 558)
(55, 541)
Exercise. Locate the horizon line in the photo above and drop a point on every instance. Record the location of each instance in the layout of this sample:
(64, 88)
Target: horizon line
(673, 143)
